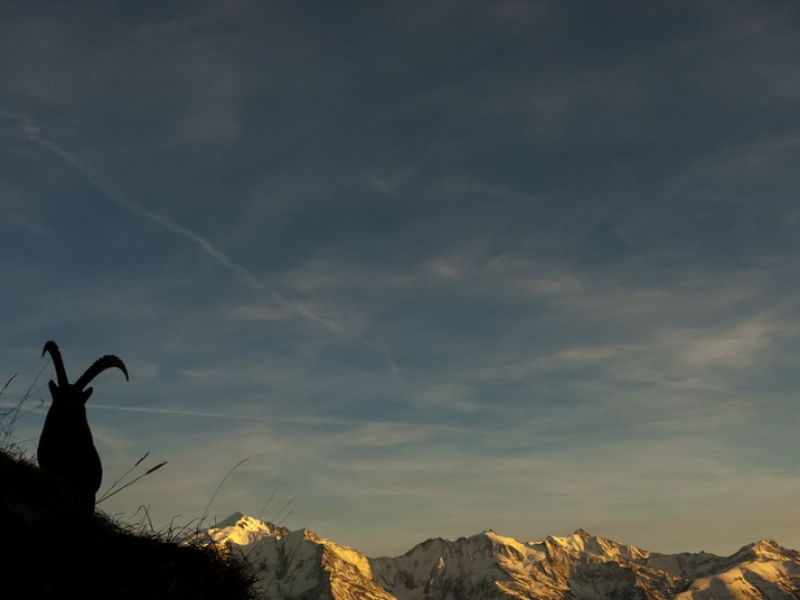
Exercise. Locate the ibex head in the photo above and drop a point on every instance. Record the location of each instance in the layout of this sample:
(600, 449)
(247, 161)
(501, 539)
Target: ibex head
(66, 447)
(77, 393)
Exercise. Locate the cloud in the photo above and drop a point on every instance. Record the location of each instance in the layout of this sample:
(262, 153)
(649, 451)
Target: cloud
(670, 354)
(742, 346)
(381, 435)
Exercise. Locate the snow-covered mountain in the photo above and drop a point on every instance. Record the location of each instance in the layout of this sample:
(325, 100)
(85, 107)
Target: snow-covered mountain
(299, 565)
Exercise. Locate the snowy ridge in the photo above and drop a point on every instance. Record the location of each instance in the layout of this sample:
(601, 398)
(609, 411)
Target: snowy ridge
(299, 565)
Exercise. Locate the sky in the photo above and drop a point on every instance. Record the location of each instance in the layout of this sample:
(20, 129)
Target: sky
(427, 268)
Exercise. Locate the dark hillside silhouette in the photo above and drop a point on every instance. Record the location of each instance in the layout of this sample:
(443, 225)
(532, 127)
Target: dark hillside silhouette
(52, 549)
(54, 546)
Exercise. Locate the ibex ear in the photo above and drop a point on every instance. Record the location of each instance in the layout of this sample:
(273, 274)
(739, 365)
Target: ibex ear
(53, 388)
(85, 395)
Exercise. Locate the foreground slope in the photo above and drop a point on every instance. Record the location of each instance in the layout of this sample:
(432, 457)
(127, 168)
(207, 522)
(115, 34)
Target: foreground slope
(52, 549)
(299, 565)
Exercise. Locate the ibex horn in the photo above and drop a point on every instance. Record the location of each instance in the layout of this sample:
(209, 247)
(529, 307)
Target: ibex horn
(58, 362)
(100, 365)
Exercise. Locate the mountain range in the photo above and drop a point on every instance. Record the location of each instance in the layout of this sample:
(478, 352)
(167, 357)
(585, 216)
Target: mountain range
(299, 565)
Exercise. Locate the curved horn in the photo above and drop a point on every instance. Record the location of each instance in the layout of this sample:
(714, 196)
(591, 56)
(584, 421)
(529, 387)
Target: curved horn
(100, 365)
(58, 362)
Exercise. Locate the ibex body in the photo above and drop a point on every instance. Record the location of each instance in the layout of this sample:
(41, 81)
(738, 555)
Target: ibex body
(66, 447)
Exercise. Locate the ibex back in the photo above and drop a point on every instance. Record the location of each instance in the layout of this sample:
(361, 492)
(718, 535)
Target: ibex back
(66, 447)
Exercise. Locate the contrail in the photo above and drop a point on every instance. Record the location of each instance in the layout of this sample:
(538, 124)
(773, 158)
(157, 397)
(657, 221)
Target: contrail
(321, 421)
(318, 421)
(183, 413)
(33, 133)
(31, 130)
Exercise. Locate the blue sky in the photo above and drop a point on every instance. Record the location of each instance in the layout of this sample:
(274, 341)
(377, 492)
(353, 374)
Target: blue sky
(431, 267)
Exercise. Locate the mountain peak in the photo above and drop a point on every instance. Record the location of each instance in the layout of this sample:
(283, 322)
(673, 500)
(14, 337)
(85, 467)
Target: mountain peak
(769, 550)
(487, 565)
(242, 530)
(580, 532)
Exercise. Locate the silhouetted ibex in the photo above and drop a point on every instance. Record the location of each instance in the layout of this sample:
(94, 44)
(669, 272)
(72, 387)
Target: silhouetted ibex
(66, 447)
